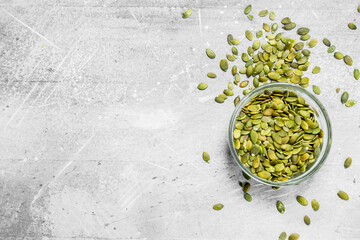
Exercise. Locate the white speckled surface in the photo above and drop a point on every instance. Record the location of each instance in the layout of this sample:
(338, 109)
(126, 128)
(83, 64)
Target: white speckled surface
(102, 127)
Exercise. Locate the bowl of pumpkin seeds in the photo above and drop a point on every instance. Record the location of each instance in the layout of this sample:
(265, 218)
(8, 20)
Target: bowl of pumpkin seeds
(280, 134)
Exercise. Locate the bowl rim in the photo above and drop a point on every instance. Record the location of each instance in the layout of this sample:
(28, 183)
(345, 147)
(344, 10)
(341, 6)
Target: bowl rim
(307, 174)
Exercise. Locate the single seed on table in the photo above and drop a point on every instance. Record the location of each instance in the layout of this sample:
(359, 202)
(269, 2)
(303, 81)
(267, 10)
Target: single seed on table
(316, 70)
(350, 103)
(229, 39)
(246, 187)
(187, 13)
(248, 35)
(283, 236)
(234, 50)
(247, 177)
(244, 84)
(352, 26)
(218, 206)
(272, 15)
(244, 57)
(241, 184)
(348, 60)
(256, 45)
(230, 86)
(316, 89)
(266, 27)
(307, 220)
(274, 27)
(237, 78)
(211, 75)
(343, 195)
(206, 156)
(263, 13)
(294, 236)
(289, 26)
(302, 200)
(228, 92)
(313, 43)
(327, 42)
(331, 49)
(219, 99)
(259, 33)
(337, 90)
(348, 162)
(235, 41)
(247, 197)
(356, 74)
(285, 20)
(224, 65)
(315, 204)
(247, 9)
(338, 55)
(280, 207)
(230, 57)
(236, 100)
(344, 97)
(202, 86)
(305, 37)
(250, 17)
(234, 70)
(303, 31)
(210, 53)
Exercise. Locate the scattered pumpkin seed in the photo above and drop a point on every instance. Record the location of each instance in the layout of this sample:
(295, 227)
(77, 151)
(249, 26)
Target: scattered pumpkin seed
(280, 207)
(302, 200)
(219, 99)
(234, 50)
(230, 57)
(350, 103)
(250, 17)
(246, 187)
(244, 84)
(235, 41)
(348, 60)
(344, 97)
(337, 90)
(224, 65)
(263, 13)
(259, 33)
(272, 15)
(206, 156)
(228, 92)
(218, 206)
(352, 26)
(266, 27)
(247, 9)
(236, 100)
(327, 42)
(356, 74)
(187, 13)
(210, 53)
(316, 89)
(315, 204)
(283, 236)
(331, 49)
(348, 162)
(305, 37)
(247, 197)
(343, 195)
(285, 20)
(249, 35)
(307, 220)
(211, 75)
(241, 184)
(338, 55)
(202, 86)
(289, 26)
(313, 43)
(294, 236)
(303, 31)
(247, 177)
(274, 27)
(316, 70)
(229, 39)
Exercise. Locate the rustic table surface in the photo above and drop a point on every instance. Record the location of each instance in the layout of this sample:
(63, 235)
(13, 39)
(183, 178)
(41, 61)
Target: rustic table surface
(102, 127)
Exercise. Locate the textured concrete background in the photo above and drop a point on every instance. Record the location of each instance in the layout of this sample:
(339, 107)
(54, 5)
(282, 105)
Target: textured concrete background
(102, 128)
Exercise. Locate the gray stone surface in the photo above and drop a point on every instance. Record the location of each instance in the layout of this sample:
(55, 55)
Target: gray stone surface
(102, 128)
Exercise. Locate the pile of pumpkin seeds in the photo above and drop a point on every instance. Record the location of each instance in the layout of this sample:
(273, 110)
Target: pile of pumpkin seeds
(276, 135)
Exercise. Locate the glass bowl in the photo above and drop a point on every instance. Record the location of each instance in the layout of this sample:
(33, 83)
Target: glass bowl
(320, 115)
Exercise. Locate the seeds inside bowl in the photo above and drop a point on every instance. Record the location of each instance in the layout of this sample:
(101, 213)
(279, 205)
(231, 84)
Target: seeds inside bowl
(277, 135)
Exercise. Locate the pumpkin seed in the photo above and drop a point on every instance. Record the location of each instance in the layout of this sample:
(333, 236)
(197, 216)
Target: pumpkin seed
(315, 204)
(218, 206)
(263, 13)
(256, 45)
(348, 60)
(352, 26)
(283, 236)
(228, 92)
(224, 65)
(229, 39)
(234, 50)
(274, 27)
(337, 90)
(344, 97)
(250, 17)
(316, 70)
(235, 41)
(327, 42)
(206, 156)
(230, 57)
(219, 99)
(247, 197)
(307, 220)
(305, 37)
(356, 74)
(236, 100)
(246, 187)
(294, 236)
(302, 200)
(244, 84)
(331, 49)
(343, 195)
(210, 53)
(247, 9)
(316, 89)
(285, 20)
(202, 86)
(211, 75)
(187, 13)
(289, 26)
(350, 103)
(266, 27)
(272, 15)
(248, 35)
(348, 162)
(338, 55)
(303, 31)
(247, 177)
(259, 33)
(280, 207)
(312, 43)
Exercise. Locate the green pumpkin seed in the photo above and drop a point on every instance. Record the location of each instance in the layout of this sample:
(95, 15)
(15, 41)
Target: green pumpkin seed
(219, 99)
(218, 206)
(234, 72)
(289, 26)
(302, 200)
(206, 156)
(230, 57)
(280, 207)
(338, 55)
(283, 236)
(211, 75)
(348, 162)
(337, 90)
(187, 13)
(294, 236)
(247, 9)
(229, 39)
(312, 43)
(248, 35)
(234, 50)
(316, 70)
(235, 41)
(285, 20)
(266, 27)
(243, 84)
(299, 46)
(247, 177)
(228, 92)
(343, 195)
(230, 86)
(272, 15)
(259, 33)
(274, 27)
(350, 103)
(210, 53)
(236, 100)
(327, 42)
(247, 197)
(307, 220)
(315, 204)
(348, 60)
(303, 31)
(316, 89)
(246, 187)
(356, 74)
(352, 26)
(202, 86)
(331, 49)
(344, 97)
(224, 65)
(256, 45)
(250, 17)
(263, 13)
(244, 57)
